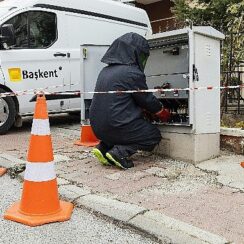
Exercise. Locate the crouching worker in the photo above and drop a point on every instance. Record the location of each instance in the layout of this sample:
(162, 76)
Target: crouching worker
(117, 119)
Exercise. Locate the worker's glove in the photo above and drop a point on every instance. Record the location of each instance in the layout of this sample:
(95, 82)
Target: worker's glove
(164, 115)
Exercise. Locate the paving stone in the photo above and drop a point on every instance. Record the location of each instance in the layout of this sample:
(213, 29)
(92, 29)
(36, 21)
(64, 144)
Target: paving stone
(163, 226)
(237, 184)
(68, 132)
(98, 183)
(60, 158)
(156, 171)
(230, 173)
(139, 175)
(9, 161)
(71, 191)
(67, 170)
(72, 163)
(115, 176)
(124, 186)
(110, 207)
(62, 181)
(71, 176)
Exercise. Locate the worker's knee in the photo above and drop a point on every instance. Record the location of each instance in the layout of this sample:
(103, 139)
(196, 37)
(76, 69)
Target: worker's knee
(151, 142)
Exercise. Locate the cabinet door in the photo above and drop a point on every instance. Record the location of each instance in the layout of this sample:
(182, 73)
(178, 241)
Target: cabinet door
(207, 102)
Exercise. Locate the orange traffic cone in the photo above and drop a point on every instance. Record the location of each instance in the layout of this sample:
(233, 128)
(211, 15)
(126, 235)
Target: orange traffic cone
(40, 201)
(87, 137)
(242, 164)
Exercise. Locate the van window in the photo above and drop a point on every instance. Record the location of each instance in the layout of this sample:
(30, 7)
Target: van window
(20, 23)
(42, 29)
(34, 29)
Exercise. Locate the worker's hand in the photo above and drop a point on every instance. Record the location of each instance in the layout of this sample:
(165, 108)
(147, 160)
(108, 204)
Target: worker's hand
(164, 115)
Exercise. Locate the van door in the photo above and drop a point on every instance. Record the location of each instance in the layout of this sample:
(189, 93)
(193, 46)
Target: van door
(37, 60)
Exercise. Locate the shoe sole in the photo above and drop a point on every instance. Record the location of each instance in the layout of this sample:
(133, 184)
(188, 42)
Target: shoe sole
(110, 157)
(98, 154)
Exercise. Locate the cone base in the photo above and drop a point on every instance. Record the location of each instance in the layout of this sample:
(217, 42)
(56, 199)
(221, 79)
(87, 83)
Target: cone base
(86, 144)
(13, 214)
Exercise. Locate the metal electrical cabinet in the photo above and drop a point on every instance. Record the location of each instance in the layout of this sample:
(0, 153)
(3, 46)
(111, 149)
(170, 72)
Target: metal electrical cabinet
(91, 66)
(186, 58)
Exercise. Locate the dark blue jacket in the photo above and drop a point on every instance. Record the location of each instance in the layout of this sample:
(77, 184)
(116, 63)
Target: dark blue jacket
(124, 72)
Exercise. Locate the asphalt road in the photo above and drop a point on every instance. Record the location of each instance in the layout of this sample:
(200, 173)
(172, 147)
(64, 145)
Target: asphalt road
(84, 227)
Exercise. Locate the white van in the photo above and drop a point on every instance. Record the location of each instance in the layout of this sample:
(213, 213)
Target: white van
(40, 47)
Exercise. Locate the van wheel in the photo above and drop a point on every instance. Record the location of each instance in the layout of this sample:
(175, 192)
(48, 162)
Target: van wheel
(7, 113)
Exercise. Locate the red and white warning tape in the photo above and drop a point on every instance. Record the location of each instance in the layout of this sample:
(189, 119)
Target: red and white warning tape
(162, 90)
(33, 91)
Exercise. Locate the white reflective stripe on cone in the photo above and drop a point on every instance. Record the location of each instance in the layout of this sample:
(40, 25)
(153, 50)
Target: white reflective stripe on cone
(40, 127)
(39, 172)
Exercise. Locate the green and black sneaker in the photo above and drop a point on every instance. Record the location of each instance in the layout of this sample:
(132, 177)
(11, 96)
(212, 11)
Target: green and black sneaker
(101, 158)
(122, 163)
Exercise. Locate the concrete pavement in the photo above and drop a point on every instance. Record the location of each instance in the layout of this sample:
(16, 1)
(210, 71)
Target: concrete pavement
(172, 200)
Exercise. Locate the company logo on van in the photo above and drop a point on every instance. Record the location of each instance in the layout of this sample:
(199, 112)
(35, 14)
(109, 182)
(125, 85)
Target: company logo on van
(15, 74)
(39, 74)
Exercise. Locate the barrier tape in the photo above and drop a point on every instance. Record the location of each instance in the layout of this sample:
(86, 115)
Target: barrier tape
(33, 91)
(161, 90)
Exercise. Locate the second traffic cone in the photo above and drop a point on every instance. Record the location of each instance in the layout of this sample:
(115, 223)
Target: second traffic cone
(40, 201)
(87, 137)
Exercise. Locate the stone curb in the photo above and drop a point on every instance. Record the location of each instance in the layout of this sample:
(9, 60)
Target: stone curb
(232, 132)
(178, 231)
(110, 207)
(72, 192)
(232, 139)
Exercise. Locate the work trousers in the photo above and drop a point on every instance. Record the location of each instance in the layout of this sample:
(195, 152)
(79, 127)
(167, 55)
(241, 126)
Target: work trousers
(125, 141)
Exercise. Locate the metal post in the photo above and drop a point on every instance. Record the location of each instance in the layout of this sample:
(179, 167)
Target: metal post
(239, 93)
(82, 83)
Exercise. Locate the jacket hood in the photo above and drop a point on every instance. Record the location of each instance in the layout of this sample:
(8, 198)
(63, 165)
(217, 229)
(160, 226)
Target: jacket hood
(127, 49)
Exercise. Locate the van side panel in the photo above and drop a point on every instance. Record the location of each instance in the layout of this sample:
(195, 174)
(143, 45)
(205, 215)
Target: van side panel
(102, 7)
(38, 68)
(90, 30)
(78, 22)
(85, 29)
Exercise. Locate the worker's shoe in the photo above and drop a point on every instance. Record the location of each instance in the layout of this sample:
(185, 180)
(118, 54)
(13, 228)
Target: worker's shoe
(100, 153)
(123, 163)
